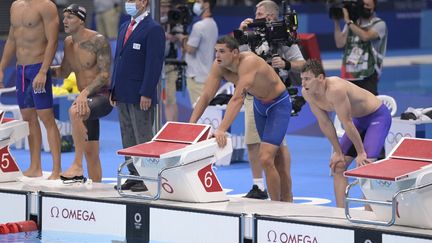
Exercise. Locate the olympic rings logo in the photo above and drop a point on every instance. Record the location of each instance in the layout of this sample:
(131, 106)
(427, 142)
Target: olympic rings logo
(395, 137)
(213, 122)
(383, 183)
(151, 161)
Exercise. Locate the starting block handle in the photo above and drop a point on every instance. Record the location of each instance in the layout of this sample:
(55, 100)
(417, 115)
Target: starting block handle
(392, 204)
(121, 176)
(348, 199)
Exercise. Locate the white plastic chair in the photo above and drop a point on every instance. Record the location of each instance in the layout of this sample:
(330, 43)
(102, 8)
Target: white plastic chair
(390, 102)
(226, 88)
(14, 109)
(387, 100)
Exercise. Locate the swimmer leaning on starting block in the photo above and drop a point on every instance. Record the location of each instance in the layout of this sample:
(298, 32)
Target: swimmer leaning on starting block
(272, 106)
(361, 113)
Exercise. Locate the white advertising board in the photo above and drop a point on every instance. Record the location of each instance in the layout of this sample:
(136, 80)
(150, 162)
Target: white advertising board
(14, 207)
(83, 216)
(275, 231)
(169, 225)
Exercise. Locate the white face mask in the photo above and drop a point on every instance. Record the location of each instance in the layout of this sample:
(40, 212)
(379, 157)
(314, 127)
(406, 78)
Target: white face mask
(163, 19)
(197, 9)
(131, 9)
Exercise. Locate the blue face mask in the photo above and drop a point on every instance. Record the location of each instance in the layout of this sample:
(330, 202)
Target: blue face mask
(197, 9)
(131, 9)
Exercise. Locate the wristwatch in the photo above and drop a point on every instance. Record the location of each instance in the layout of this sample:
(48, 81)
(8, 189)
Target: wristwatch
(350, 22)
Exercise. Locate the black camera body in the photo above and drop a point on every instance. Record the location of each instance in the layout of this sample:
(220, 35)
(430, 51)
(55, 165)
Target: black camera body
(297, 101)
(274, 33)
(354, 7)
(179, 18)
(180, 67)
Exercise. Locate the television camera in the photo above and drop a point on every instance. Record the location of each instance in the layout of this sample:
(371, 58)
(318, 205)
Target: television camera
(266, 37)
(179, 19)
(354, 8)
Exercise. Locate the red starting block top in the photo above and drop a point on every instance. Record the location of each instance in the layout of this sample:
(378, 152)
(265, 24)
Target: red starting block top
(183, 132)
(388, 169)
(414, 148)
(152, 149)
(173, 136)
(7, 120)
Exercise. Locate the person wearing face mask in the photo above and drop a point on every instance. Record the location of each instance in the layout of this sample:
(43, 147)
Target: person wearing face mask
(365, 43)
(170, 71)
(138, 62)
(289, 59)
(198, 48)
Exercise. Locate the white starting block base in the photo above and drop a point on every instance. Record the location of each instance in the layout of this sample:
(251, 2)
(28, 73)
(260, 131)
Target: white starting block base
(177, 164)
(413, 207)
(11, 131)
(399, 188)
(183, 182)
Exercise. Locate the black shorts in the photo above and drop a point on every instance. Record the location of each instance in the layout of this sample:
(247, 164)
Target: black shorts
(99, 107)
(369, 83)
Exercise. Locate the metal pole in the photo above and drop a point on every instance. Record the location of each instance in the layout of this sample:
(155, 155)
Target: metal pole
(155, 13)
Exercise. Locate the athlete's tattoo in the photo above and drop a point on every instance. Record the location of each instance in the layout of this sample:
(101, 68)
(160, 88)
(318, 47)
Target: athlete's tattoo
(100, 46)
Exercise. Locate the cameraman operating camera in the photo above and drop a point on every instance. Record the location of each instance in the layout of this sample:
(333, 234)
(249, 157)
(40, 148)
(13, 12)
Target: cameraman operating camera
(365, 42)
(170, 73)
(289, 58)
(199, 48)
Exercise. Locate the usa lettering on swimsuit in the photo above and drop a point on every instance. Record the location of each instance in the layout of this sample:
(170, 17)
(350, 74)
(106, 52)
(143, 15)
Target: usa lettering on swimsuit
(41, 91)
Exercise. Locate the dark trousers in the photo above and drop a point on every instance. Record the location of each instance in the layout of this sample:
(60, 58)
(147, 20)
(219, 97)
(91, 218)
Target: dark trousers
(369, 83)
(136, 126)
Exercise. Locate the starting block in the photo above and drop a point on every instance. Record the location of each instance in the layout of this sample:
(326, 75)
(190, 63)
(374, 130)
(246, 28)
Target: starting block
(178, 164)
(398, 188)
(10, 131)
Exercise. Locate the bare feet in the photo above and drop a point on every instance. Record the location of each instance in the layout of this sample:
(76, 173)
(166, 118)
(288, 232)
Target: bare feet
(72, 171)
(54, 176)
(32, 173)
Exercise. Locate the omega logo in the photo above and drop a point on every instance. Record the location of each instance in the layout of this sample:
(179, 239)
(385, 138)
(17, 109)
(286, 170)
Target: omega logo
(273, 236)
(55, 212)
(73, 214)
